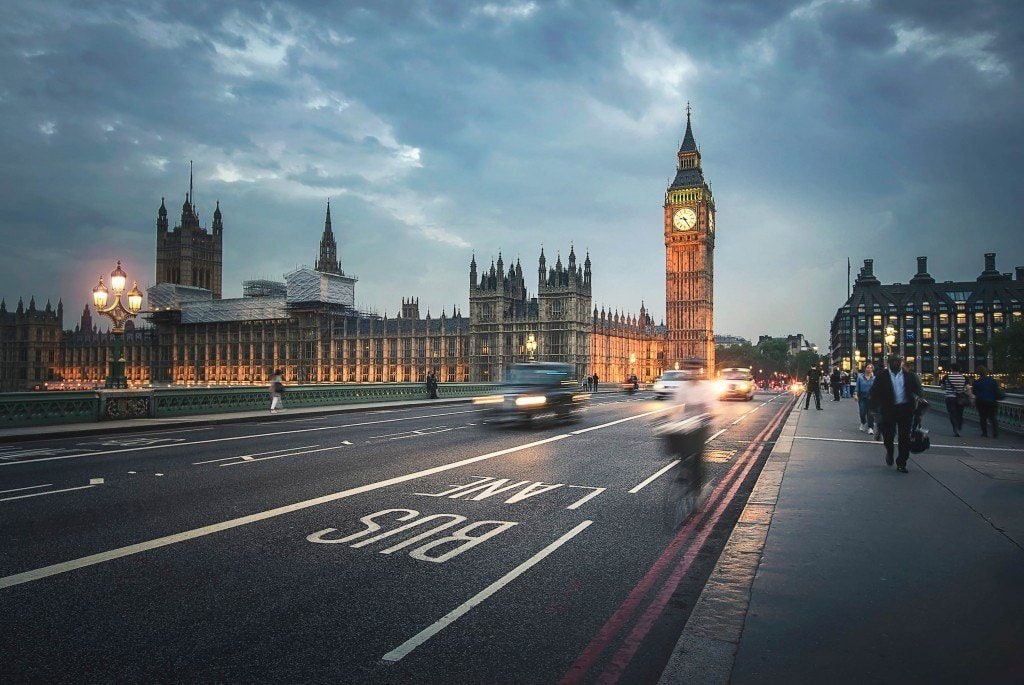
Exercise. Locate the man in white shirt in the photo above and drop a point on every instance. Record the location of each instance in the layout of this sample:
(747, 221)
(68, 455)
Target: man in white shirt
(895, 394)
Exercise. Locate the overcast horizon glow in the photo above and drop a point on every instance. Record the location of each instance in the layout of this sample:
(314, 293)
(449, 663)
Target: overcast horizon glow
(830, 130)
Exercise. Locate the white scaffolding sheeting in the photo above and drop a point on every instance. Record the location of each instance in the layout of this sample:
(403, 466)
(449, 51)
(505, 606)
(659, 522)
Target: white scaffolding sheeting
(237, 309)
(309, 285)
(172, 295)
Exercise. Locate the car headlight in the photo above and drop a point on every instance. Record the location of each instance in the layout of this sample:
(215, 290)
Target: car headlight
(531, 401)
(721, 387)
(489, 399)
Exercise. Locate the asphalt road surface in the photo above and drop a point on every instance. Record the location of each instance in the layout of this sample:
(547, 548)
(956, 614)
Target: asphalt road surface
(391, 546)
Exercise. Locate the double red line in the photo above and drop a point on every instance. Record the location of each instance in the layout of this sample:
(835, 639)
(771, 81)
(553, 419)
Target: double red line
(695, 532)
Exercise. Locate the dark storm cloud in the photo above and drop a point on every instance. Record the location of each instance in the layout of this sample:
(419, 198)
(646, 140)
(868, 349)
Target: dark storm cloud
(829, 130)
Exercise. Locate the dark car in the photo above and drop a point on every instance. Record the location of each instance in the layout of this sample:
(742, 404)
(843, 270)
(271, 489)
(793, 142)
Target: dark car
(532, 391)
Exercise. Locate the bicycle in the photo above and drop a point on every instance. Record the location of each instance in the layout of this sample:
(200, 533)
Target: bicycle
(686, 491)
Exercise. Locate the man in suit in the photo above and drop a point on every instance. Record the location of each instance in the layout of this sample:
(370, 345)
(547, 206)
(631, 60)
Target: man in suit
(813, 388)
(836, 383)
(894, 395)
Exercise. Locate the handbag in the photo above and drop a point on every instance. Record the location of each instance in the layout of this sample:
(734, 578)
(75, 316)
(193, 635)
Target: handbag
(963, 399)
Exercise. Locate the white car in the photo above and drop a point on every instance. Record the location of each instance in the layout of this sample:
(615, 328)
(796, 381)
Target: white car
(665, 386)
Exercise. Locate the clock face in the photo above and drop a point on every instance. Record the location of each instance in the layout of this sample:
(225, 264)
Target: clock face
(684, 219)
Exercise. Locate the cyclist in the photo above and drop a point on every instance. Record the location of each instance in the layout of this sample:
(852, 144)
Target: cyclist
(685, 433)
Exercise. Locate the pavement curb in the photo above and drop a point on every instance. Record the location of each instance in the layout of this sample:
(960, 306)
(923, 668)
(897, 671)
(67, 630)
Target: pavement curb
(706, 650)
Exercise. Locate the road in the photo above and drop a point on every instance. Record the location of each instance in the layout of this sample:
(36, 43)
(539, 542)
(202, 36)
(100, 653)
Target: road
(392, 546)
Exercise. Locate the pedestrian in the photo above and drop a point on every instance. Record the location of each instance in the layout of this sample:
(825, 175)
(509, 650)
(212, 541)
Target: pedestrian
(987, 394)
(277, 391)
(861, 393)
(846, 384)
(432, 385)
(595, 382)
(813, 388)
(958, 397)
(894, 395)
(835, 382)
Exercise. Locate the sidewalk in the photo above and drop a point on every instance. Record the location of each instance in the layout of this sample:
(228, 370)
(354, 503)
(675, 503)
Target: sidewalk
(843, 570)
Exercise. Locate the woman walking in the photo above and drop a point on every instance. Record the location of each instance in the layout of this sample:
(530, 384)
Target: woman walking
(958, 396)
(276, 391)
(986, 398)
(861, 392)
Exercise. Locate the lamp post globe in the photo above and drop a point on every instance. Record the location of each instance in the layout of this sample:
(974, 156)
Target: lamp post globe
(118, 314)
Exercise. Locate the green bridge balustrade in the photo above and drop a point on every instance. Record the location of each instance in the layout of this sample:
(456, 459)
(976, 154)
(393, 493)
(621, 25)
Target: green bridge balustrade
(56, 407)
(1009, 411)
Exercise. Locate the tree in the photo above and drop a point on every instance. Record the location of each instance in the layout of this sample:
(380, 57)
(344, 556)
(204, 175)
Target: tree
(801, 363)
(1008, 353)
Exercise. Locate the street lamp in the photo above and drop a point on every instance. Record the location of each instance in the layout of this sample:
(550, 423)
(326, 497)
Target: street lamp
(531, 345)
(632, 363)
(118, 314)
(856, 360)
(890, 339)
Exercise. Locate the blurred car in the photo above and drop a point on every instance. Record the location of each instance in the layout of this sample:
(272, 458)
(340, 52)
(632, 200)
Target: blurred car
(797, 388)
(665, 385)
(735, 383)
(532, 391)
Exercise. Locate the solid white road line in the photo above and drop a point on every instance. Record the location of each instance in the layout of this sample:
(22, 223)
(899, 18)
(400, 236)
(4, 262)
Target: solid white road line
(48, 492)
(254, 454)
(30, 487)
(110, 555)
(412, 643)
(647, 481)
(252, 460)
(715, 435)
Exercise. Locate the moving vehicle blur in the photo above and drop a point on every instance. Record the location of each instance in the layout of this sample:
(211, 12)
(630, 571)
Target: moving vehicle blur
(665, 385)
(532, 391)
(797, 388)
(735, 383)
(631, 384)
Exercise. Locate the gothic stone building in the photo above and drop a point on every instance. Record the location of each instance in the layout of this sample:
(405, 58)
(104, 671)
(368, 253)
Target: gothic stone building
(30, 345)
(189, 254)
(936, 324)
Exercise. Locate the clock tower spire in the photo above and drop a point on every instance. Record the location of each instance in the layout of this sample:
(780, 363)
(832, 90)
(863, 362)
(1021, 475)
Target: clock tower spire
(689, 258)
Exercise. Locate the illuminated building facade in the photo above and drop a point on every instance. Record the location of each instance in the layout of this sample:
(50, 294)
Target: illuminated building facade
(934, 324)
(689, 229)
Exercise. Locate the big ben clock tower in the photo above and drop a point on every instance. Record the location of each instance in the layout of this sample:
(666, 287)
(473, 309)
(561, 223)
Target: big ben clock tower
(689, 259)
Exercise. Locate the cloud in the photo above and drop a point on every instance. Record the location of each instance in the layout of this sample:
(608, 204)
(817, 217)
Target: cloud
(48, 128)
(507, 13)
(974, 49)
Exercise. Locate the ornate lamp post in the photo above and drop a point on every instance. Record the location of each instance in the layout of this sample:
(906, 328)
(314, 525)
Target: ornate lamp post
(856, 361)
(632, 363)
(118, 314)
(531, 346)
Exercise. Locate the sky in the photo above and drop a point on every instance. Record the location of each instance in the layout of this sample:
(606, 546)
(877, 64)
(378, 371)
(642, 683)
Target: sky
(829, 130)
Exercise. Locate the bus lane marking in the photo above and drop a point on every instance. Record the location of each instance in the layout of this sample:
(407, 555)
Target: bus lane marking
(156, 543)
(403, 650)
(486, 487)
(464, 541)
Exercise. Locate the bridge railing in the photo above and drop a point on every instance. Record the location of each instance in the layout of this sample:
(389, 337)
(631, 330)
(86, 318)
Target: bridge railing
(1009, 411)
(56, 407)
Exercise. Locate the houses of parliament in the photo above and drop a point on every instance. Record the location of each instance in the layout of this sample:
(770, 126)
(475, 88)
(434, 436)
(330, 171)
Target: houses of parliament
(309, 326)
